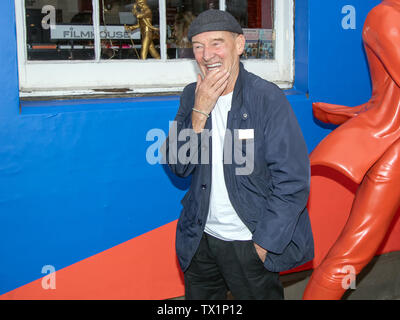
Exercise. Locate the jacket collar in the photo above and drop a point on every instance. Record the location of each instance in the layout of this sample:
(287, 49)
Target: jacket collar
(237, 97)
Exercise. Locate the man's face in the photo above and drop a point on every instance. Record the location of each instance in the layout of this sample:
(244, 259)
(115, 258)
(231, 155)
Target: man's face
(215, 50)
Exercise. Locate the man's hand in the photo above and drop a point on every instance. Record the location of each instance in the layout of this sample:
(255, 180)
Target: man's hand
(208, 90)
(262, 253)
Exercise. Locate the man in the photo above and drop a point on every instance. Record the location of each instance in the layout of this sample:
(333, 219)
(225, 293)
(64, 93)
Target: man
(241, 223)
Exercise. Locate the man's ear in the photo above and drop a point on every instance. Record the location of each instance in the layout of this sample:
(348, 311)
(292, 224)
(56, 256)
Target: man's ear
(240, 43)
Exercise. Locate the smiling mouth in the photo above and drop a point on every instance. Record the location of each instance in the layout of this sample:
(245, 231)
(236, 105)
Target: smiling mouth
(211, 67)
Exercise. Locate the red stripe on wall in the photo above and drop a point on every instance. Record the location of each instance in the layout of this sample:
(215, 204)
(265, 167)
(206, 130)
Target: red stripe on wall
(145, 267)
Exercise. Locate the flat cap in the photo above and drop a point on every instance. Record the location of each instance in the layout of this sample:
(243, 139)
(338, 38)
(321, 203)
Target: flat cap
(214, 20)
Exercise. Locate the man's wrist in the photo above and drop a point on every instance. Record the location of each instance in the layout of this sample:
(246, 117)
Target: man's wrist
(201, 112)
(198, 121)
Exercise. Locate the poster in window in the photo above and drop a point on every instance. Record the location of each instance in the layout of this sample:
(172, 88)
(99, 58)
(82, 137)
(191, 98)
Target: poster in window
(260, 44)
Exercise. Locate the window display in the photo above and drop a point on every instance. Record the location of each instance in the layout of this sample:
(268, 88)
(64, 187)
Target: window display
(257, 20)
(131, 29)
(59, 30)
(137, 46)
(180, 14)
(148, 33)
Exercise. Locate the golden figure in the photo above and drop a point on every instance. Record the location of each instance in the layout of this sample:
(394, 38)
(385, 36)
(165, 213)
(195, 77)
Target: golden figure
(147, 31)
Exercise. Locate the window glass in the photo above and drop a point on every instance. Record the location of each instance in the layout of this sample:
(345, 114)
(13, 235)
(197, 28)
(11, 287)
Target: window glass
(180, 14)
(101, 32)
(123, 25)
(257, 20)
(130, 29)
(59, 30)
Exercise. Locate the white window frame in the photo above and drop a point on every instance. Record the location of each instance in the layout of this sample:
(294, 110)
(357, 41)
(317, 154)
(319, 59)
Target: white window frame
(76, 77)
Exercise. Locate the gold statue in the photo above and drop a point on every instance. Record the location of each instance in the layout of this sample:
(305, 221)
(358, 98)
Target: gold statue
(147, 32)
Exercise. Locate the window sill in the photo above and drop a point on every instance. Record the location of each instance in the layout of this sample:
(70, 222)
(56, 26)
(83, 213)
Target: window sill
(43, 95)
(98, 93)
(112, 99)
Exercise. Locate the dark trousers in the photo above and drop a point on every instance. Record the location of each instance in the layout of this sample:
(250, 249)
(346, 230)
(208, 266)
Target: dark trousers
(221, 266)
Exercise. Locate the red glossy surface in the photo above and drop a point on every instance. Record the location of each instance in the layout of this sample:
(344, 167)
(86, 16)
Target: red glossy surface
(366, 149)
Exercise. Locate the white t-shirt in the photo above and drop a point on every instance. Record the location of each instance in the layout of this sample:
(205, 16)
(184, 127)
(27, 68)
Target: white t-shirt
(222, 222)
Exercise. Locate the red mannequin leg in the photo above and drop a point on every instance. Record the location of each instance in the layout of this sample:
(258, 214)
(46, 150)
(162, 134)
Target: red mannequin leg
(377, 201)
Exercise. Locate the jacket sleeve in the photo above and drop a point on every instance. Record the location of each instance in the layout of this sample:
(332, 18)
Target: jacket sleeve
(288, 163)
(181, 148)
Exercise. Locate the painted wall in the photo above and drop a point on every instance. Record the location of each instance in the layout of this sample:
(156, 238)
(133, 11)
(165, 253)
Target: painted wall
(77, 193)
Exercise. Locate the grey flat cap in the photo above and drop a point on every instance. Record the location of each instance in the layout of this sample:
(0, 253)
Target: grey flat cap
(214, 20)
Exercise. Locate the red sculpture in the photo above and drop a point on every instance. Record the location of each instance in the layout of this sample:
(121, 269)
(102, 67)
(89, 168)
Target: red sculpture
(366, 149)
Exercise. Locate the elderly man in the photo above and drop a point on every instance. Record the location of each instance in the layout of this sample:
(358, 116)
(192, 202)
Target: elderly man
(241, 223)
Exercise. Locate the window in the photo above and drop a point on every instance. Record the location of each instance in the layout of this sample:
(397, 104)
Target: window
(68, 47)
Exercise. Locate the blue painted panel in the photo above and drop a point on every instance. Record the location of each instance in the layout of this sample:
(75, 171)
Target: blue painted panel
(8, 56)
(338, 69)
(76, 183)
(301, 36)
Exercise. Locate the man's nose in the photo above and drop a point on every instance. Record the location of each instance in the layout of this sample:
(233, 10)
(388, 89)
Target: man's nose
(208, 53)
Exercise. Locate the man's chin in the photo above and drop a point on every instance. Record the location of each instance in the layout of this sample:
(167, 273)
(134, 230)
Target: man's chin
(205, 71)
(208, 71)
(214, 69)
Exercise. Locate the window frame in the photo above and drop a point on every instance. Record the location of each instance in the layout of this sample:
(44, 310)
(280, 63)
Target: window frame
(87, 77)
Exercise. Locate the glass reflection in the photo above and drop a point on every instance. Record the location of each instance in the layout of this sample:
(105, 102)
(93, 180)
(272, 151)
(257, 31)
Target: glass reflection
(117, 17)
(63, 29)
(180, 14)
(257, 20)
(59, 29)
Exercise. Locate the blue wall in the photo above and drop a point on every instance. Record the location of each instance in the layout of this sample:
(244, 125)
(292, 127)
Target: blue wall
(74, 180)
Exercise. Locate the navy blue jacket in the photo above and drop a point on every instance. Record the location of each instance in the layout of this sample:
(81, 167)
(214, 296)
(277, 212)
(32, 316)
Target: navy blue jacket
(271, 200)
